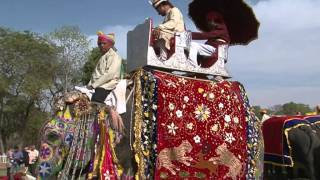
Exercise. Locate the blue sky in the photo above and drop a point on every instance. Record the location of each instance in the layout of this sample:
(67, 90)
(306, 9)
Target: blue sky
(283, 65)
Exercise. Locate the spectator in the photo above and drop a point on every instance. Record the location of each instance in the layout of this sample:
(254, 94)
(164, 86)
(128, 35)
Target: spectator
(33, 157)
(17, 156)
(10, 153)
(264, 115)
(25, 158)
(316, 112)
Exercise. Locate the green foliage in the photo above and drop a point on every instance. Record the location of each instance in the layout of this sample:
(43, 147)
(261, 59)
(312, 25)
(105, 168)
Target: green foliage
(27, 64)
(256, 110)
(31, 132)
(73, 52)
(292, 108)
(90, 65)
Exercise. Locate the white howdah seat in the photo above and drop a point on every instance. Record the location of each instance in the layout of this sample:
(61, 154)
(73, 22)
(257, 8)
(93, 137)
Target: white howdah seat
(140, 53)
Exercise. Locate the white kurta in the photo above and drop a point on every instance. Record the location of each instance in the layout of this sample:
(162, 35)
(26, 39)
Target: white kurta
(173, 22)
(265, 117)
(107, 71)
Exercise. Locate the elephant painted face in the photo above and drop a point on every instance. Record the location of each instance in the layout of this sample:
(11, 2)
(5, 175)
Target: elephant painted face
(55, 144)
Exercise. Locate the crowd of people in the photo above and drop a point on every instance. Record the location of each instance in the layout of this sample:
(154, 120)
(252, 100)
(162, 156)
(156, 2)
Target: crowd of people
(22, 158)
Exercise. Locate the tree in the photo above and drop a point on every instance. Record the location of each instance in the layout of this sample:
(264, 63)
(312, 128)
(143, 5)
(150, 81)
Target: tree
(90, 65)
(276, 108)
(74, 48)
(27, 64)
(292, 108)
(256, 110)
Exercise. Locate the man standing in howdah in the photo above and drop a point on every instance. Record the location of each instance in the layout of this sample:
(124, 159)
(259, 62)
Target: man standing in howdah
(106, 74)
(173, 22)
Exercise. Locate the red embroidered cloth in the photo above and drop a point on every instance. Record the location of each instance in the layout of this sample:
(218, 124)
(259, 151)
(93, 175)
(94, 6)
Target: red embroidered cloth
(202, 129)
(273, 135)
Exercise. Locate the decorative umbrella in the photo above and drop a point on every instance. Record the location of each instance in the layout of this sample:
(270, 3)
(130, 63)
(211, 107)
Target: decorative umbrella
(239, 18)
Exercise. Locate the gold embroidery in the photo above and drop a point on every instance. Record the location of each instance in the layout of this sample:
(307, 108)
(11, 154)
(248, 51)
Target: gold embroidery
(114, 155)
(228, 159)
(205, 164)
(102, 140)
(167, 155)
(138, 115)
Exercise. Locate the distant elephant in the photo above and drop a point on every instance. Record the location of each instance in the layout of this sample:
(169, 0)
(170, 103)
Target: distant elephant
(305, 144)
(303, 136)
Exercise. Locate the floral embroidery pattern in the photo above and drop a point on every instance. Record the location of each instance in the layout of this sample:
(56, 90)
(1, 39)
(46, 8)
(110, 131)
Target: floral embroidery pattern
(44, 170)
(197, 139)
(172, 128)
(207, 114)
(190, 126)
(236, 120)
(214, 128)
(211, 96)
(171, 107)
(229, 138)
(202, 112)
(45, 152)
(227, 118)
(186, 99)
(182, 80)
(179, 113)
(221, 106)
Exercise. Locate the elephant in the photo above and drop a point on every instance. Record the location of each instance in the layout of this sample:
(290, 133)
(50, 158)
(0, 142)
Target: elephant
(304, 145)
(73, 120)
(73, 140)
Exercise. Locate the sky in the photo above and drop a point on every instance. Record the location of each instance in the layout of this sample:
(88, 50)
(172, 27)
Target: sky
(281, 66)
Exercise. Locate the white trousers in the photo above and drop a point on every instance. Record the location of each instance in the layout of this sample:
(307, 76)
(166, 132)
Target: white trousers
(161, 44)
(201, 49)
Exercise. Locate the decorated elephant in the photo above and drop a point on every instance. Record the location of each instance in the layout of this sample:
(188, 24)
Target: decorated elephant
(292, 149)
(76, 137)
(189, 134)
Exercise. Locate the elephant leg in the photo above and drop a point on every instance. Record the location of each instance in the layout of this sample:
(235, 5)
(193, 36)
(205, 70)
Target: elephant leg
(268, 171)
(290, 172)
(312, 173)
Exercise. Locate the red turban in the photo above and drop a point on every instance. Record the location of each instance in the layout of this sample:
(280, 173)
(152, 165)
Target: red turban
(105, 37)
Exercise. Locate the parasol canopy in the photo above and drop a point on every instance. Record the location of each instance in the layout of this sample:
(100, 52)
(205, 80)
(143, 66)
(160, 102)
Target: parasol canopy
(239, 18)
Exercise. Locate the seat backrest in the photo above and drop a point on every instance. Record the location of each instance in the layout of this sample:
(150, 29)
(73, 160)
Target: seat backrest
(183, 39)
(221, 55)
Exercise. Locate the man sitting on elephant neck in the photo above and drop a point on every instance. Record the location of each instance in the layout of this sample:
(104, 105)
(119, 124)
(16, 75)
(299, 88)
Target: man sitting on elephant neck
(106, 74)
(217, 35)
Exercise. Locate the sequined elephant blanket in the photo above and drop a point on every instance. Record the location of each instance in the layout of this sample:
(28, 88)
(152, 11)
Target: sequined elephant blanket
(194, 129)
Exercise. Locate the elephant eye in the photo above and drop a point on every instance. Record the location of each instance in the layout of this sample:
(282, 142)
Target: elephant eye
(53, 138)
